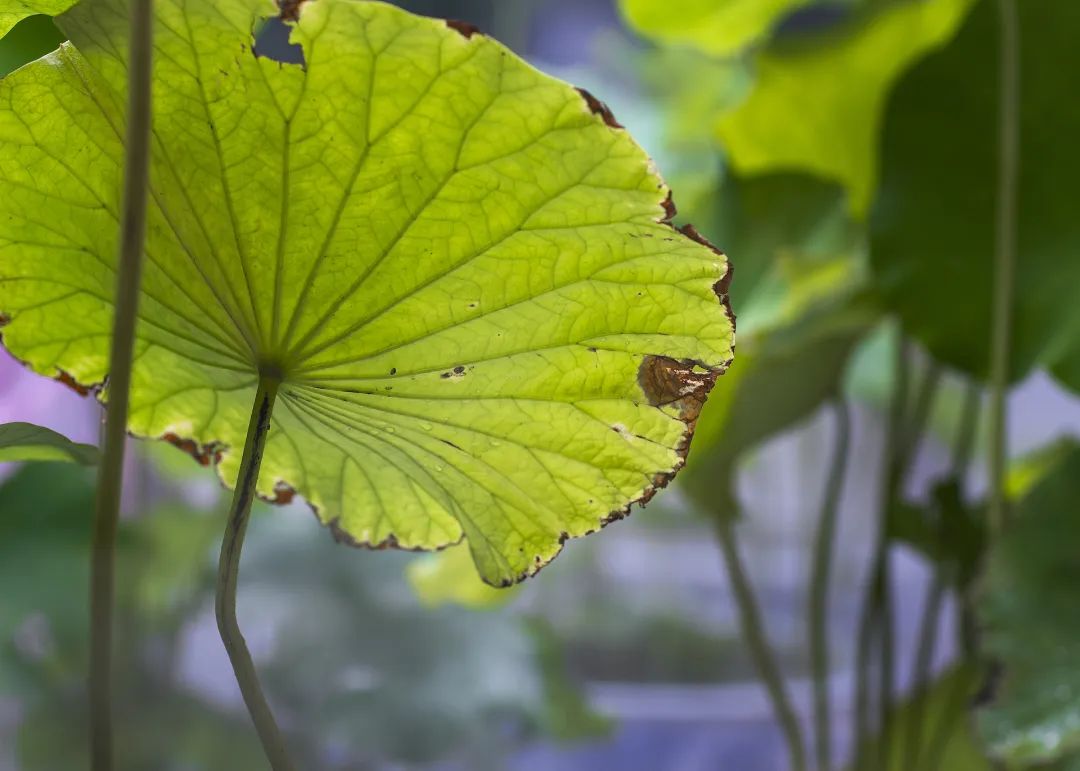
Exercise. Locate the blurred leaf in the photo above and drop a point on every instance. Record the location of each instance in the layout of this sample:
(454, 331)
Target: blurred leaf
(165, 730)
(947, 531)
(1030, 617)
(449, 577)
(1027, 471)
(26, 442)
(817, 103)
(946, 730)
(391, 680)
(933, 232)
(717, 27)
(14, 11)
(30, 39)
(775, 220)
(566, 716)
(780, 378)
(45, 515)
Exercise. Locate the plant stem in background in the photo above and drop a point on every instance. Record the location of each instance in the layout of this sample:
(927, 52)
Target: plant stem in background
(819, 586)
(228, 570)
(110, 473)
(875, 620)
(753, 630)
(963, 446)
(1005, 255)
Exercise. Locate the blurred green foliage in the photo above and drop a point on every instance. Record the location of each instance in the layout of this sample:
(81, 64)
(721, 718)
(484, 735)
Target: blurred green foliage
(934, 227)
(360, 670)
(1030, 623)
(944, 739)
(718, 27)
(26, 442)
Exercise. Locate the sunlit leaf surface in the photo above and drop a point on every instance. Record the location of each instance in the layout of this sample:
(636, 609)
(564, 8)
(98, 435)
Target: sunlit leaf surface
(461, 269)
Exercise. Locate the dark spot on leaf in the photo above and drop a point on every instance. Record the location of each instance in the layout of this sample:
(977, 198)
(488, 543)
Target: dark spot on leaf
(670, 209)
(74, 385)
(447, 441)
(459, 370)
(4, 319)
(596, 107)
(466, 29)
(289, 9)
(284, 494)
(393, 370)
(204, 454)
(445, 375)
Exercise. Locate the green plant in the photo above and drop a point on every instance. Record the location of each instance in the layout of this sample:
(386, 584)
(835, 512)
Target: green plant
(444, 287)
(942, 122)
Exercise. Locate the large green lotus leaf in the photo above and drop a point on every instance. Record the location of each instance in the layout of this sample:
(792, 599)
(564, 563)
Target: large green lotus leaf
(940, 181)
(1030, 619)
(14, 11)
(718, 27)
(461, 269)
(818, 103)
(27, 442)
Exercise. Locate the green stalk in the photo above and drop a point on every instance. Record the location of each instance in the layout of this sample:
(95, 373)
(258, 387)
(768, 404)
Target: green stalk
(963, 446)
(110, 472)
(1005, 255)
(753, 630)
(875, 619)
(819, 587)
(228, 570)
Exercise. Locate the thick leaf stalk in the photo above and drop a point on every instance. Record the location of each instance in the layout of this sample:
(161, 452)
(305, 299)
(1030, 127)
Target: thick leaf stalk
(110, 476)
(228, 570)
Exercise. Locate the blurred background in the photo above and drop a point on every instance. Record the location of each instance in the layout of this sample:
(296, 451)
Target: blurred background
(816, 590)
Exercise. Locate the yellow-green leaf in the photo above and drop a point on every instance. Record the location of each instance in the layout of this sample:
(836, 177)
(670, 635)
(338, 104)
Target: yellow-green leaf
(460, 269)
(817, 103)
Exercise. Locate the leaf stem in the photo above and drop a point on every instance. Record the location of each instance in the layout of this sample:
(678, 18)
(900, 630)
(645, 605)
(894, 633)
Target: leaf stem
(753, 630)
(1005, 255)
(110, 472)
(228, 570)
(819, 586)
(875, 617)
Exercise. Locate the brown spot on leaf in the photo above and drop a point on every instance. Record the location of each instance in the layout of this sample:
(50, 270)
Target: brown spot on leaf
(670, 210)
(289, 10)
(4, 319)
(204, 454)
(284, 494)
(72, 383)
(596, 107)
(466, 29)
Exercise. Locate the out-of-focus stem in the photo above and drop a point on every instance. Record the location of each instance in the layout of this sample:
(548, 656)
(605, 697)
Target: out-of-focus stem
(819, 587)
(757, 641)
(110, 473)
